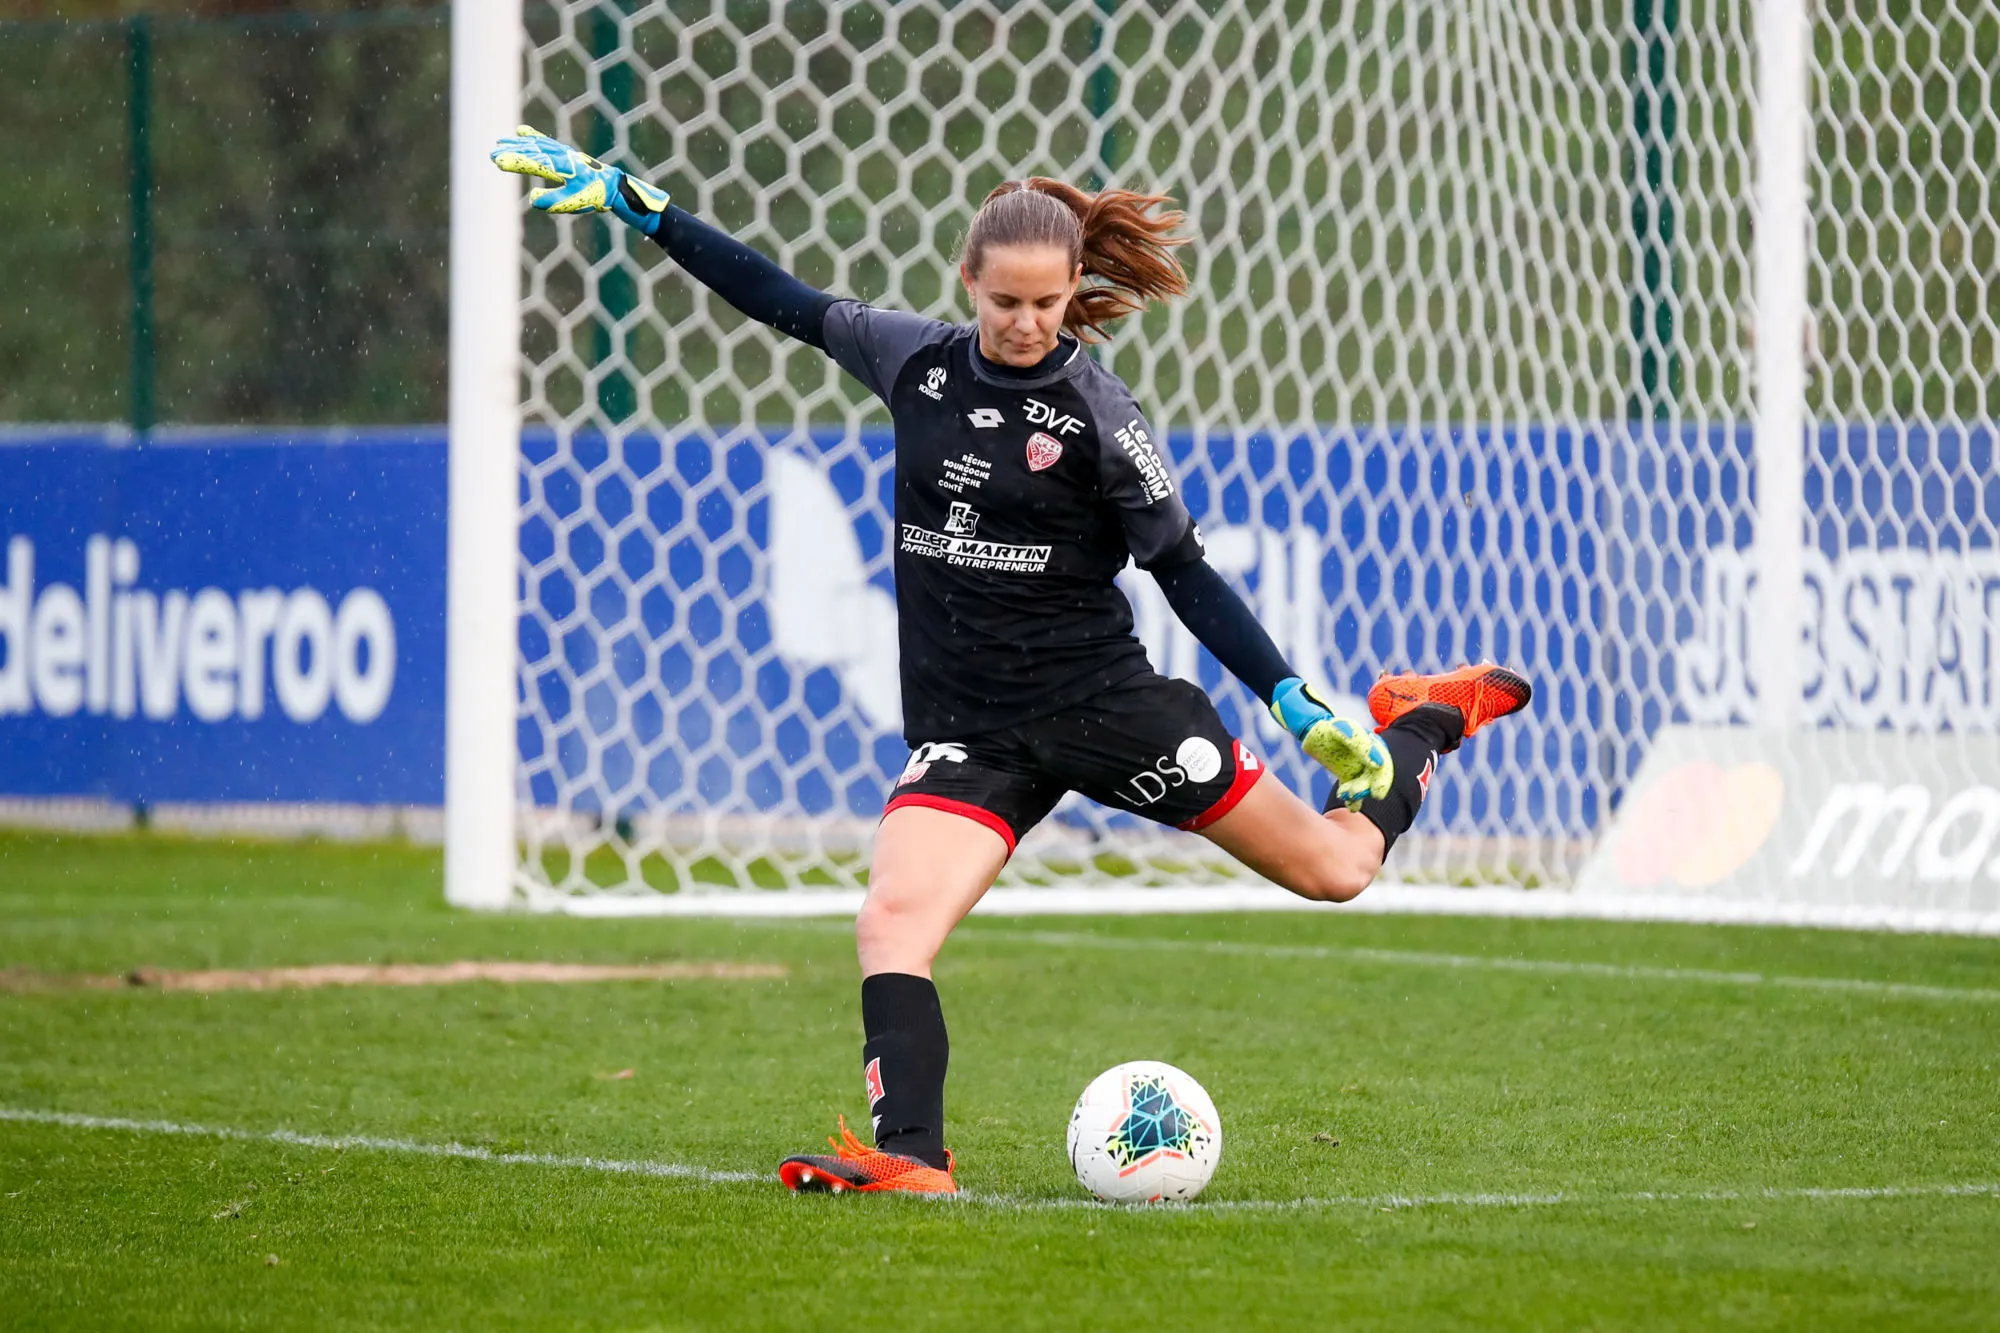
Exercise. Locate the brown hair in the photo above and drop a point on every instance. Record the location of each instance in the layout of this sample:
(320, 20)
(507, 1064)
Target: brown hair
(1126, 249)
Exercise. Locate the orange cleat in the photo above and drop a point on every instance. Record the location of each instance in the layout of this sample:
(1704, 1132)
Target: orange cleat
(1480, 693)
(863, 1169)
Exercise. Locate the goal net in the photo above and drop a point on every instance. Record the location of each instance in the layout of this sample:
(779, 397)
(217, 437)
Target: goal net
(1469, 369)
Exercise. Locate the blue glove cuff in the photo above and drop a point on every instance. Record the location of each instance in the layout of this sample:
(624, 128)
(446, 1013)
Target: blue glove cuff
(1294, 706)
(625, 192)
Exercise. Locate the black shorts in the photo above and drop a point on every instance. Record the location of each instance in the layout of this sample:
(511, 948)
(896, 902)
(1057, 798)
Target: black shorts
(1149, 745)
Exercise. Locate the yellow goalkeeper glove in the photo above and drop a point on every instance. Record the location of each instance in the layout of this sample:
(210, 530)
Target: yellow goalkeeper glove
(1357, 758)
(582, 183)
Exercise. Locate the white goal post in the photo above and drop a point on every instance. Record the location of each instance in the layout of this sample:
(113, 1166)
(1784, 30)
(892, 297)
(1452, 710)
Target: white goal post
(481, 594)
(1649, 346)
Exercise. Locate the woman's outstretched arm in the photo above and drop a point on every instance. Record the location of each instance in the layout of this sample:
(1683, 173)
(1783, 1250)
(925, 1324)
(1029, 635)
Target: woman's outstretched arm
(1224, 625)
(744, 277)
(1221, 623)
(726, 266)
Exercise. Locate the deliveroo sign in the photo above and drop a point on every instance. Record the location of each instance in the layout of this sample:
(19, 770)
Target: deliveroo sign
(238, 618)
(113, 648)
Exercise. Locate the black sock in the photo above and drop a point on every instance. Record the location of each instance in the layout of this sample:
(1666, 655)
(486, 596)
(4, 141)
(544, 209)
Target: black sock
(904, 1063)
(1415, 741)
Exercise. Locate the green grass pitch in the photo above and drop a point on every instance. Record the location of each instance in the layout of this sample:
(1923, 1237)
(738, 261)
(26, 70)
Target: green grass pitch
(1428, 1122)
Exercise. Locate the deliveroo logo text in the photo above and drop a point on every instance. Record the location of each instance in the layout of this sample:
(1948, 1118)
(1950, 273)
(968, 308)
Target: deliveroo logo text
(124, 651)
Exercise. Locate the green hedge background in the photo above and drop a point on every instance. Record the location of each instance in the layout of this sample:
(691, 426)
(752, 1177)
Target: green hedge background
(300, 217)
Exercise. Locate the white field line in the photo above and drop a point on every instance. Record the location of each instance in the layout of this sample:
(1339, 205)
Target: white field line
(1087, 898)
(371, 1143)
(709, 1176)
(1397, 1202)
(1552, 966)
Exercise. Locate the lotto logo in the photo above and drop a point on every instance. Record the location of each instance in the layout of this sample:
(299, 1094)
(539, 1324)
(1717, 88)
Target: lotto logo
(933, 384)
(986, 418)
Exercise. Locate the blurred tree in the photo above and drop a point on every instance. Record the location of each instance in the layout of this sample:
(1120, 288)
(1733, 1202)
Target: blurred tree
(325, 246)
(114, 9)
(300, 219)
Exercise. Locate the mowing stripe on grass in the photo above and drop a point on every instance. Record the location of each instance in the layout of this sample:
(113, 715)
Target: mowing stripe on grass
(1554, 966)
(709, 1176)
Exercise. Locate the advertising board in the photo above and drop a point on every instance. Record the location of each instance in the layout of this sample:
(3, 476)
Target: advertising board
(223, 617)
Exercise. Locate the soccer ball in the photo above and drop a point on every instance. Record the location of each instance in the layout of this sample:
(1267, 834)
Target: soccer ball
(1144, 1132)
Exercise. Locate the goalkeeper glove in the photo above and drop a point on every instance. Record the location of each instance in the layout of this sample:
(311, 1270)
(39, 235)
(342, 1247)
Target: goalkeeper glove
(1356, 756)
(582, 183)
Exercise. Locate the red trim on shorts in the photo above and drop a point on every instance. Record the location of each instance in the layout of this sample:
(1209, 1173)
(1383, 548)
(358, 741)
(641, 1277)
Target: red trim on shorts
(1248, 770)
(951, 807)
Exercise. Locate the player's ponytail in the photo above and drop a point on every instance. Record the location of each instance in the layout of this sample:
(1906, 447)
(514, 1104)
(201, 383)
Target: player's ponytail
(1125, 246)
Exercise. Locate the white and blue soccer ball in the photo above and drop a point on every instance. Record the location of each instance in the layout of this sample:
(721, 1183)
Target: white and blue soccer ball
(1144, 1132)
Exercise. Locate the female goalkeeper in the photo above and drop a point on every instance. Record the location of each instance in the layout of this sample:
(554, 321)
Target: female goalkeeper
(1026, 477)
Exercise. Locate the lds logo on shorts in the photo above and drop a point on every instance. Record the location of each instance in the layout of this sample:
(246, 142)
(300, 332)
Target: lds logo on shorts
(933, 384)
(1197, 760)
(1043, 451)
(930, 752)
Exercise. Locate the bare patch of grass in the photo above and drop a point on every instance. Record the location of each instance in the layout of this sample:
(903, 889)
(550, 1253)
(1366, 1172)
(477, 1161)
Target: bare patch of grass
(210, 980)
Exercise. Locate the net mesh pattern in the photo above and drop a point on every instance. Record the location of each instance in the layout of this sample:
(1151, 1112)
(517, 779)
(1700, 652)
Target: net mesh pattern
(1465, 372)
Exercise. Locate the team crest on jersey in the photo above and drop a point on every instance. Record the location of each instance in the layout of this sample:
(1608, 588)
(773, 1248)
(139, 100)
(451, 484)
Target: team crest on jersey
(1043, 451)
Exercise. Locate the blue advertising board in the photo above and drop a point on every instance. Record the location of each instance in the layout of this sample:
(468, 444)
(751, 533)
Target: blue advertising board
(223, 616)
(708, 619)
(709, 626)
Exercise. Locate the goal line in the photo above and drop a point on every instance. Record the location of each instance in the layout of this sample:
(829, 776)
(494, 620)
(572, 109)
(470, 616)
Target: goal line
(703, 1175)
(1103, 898)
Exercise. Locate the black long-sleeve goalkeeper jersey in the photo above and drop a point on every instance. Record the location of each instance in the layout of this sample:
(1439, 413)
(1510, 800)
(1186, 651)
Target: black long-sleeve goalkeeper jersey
(1018, 500)
(879, 343)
